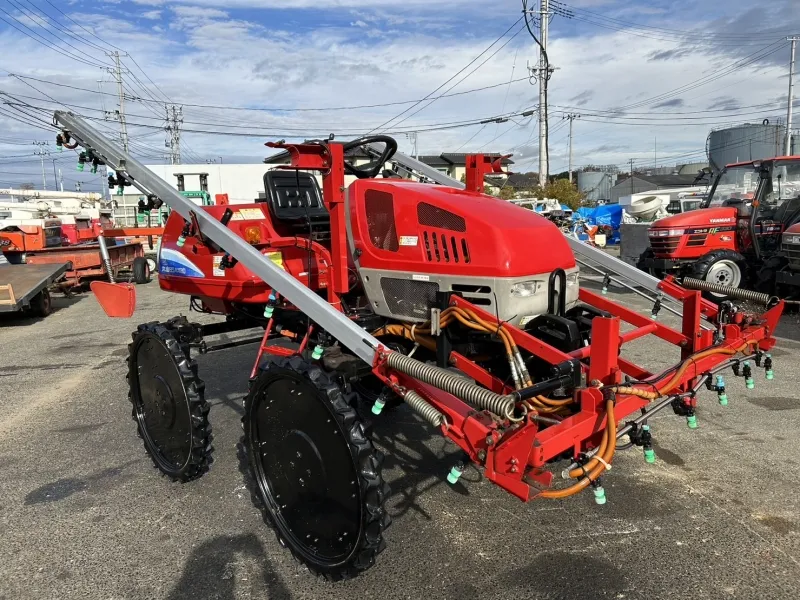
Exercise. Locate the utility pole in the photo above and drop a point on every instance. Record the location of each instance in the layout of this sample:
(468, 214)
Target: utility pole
(631, 161)
(544, 75)
(412, 137)
(119, 114)
(571, 118)
(793, 40)
(173, 129)
(55, 176)
(41, 151)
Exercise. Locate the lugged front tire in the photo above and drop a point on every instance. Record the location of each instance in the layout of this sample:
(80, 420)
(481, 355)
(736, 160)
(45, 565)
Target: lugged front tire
(168, 402)
(311, 469)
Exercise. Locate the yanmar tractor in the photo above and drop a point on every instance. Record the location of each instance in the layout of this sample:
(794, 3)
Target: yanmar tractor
(735, 239)
(464, 307)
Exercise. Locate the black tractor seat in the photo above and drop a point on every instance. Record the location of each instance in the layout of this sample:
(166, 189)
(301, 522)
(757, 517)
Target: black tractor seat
(788, 212)
(294, 199)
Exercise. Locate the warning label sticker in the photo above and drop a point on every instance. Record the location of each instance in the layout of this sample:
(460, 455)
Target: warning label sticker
(421, 277)
(247, 214)
(276, 258)
(218, 270)
(408, 240)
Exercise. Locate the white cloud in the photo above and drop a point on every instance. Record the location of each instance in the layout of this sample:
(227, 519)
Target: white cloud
(199, 12)
(152, 14)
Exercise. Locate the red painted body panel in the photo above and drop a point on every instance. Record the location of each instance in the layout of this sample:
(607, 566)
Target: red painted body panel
(503, 240)
(236, 284)
(704, 217)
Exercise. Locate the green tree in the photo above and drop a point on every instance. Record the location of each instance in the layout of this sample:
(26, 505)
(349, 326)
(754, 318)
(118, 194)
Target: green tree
(506, 193)
(561, 190)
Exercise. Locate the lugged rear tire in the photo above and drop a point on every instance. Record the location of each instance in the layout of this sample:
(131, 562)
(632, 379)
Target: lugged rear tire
(168, 402)
(311, 469)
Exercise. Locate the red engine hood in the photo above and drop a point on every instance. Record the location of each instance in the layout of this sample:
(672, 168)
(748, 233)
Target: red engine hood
(706, 217)
(793, 229)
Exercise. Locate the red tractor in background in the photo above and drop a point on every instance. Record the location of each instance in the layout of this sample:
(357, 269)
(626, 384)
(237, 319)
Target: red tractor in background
(738, 238)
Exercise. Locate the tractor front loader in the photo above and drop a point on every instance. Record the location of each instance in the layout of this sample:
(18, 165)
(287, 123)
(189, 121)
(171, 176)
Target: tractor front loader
(466, 308)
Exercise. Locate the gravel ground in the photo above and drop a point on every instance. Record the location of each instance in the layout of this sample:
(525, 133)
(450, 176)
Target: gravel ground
(84, 515)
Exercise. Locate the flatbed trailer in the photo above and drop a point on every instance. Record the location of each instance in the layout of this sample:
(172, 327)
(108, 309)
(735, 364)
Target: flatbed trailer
(26, 286)
(85, 261)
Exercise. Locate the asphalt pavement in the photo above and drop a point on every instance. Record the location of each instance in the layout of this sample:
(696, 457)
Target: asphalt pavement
(83, 514)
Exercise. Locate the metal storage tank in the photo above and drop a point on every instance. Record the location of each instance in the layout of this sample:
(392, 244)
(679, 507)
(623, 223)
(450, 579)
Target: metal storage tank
(596, 184)
(744, 142)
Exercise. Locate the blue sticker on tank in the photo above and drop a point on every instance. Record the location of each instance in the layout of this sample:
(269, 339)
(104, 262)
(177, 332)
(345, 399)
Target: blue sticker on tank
(175, 264)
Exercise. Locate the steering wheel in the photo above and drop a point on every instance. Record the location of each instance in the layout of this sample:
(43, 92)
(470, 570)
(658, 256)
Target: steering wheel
(371, 169)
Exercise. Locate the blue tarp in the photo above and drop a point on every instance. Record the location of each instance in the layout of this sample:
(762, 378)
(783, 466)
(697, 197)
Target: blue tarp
(608, 214)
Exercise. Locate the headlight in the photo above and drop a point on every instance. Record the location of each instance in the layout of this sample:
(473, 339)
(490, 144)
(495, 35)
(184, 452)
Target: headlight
(572, 278)
(525, 289)
(791, 239)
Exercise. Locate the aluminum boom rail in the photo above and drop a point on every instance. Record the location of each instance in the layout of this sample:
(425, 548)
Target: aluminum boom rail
(339, 326)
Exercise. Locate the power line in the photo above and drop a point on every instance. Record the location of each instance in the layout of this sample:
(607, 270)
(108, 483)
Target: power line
(432, 100)
(464, 68)
(42, 40)
(137, 98)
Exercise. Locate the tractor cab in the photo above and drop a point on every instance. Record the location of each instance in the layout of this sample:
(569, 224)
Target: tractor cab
(764, 193)
(737, 227)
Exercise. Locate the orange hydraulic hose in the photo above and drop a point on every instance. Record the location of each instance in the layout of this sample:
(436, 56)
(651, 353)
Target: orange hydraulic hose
(594, 463)
(402, 331)
(610, 441)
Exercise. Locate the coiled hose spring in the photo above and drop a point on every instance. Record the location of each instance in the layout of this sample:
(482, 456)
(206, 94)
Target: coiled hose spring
(452, 384)
(739, 294)
(423, 408)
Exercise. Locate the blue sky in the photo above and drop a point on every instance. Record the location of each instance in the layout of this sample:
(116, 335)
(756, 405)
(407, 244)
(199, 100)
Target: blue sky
(644, 55)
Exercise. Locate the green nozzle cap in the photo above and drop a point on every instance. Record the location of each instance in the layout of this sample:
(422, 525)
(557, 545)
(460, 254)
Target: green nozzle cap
(691, 421)
(770, 374)
(723, 399)
(649, 455)
(604, 291)
(317, 353)
(79, 167)
(599, 495)
(378, 406)
(454, 475)
(268, 310)
(750, 383)
(181, 241)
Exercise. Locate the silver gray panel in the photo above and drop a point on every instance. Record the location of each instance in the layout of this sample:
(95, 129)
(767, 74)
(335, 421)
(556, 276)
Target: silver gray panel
(495, 296)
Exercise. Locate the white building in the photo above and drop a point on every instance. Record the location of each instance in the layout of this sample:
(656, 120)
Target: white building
(243, 182)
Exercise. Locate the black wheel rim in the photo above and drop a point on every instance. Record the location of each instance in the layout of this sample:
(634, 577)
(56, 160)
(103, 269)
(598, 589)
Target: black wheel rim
(304, 469)
(161, 405)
